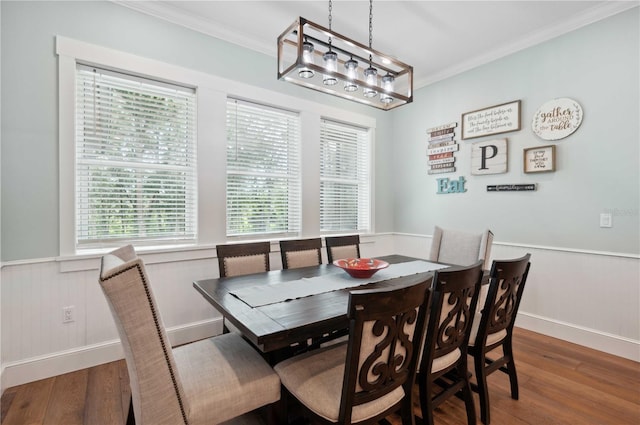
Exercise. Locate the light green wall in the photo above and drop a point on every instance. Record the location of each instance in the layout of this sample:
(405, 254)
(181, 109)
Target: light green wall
(597, 65)
(597, 166)
(30, 114)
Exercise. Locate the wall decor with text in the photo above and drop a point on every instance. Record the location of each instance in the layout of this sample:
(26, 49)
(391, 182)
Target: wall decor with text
(540, 159)
(441, 147)
(492, 120)
(489, 157)
(557, 119)
(529, 187)
(447, 186)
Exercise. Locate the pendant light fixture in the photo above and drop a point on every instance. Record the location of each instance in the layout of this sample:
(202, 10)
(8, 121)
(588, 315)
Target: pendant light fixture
(318, 58)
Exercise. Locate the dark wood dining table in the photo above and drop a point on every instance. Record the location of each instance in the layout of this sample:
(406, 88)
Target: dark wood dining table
(277, 326)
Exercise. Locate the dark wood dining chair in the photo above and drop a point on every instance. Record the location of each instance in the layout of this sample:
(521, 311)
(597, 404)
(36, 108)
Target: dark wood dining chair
(342, 247)
(370, 376)
(301, 253)
(210, 381)
(493, 327)
(241, 259)
(306, 253)
(442, 372)
(461, 248)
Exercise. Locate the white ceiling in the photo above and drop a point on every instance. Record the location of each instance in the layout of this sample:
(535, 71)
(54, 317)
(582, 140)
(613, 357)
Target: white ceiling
(438, 38)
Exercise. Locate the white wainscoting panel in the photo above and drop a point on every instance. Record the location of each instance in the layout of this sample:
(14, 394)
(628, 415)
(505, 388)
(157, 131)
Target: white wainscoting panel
(35, 342)
(588, 298)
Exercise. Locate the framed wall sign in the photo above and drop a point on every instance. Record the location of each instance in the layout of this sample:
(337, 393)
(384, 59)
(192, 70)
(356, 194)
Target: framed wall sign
(489, 157)
(540, 159)
(557, 119)
(492, 120)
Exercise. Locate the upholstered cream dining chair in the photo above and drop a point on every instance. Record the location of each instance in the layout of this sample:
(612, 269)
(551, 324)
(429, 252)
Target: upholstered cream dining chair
(461, 248)
(211, 381)
(241, 259)
(301, 253)
(342, 247)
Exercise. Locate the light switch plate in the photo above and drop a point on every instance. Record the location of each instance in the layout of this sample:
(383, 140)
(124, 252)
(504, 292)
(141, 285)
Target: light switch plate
(605, 220)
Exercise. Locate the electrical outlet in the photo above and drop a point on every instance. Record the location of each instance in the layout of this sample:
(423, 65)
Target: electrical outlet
(605, 220)
(68, 314)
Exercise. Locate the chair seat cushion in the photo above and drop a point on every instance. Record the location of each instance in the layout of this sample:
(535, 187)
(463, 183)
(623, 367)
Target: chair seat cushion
(491, 338)
(445, 361)
(315, 379)
(224, 377)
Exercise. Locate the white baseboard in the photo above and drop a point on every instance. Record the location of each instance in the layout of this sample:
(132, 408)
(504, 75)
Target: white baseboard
(597, 340)
(34, 369)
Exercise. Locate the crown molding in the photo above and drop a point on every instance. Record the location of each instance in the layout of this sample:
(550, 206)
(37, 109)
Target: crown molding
(590, 16)
(218, 30)
(174, 15)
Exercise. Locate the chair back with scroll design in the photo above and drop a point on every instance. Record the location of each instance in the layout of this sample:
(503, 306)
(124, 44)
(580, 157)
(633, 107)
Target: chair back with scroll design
(301, 253)
(461, 248)
(342, 247)
(493, 327)
(374, 371)
(444, 358)
(244, 258)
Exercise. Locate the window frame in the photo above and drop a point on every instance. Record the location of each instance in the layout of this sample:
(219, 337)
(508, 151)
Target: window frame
(294, 196)
(362, 184)
(92, 154)
(212, 94)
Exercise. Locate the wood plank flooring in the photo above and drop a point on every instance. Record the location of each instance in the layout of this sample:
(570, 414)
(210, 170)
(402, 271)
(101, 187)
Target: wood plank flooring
(560, 383)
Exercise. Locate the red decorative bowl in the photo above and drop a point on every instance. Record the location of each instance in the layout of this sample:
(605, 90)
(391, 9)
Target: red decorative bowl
(361, 267)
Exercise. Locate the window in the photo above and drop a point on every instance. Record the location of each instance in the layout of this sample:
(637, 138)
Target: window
(135, 160)
(263, 170)
(344, 178)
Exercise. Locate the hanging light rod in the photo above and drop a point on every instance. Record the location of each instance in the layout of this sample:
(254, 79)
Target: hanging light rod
(318, 58)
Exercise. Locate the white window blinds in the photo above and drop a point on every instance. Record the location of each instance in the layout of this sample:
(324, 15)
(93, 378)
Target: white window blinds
(263, 170)
(135, 160)
(345, 158)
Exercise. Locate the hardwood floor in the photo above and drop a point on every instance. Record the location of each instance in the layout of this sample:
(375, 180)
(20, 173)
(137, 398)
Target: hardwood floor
(560, 383)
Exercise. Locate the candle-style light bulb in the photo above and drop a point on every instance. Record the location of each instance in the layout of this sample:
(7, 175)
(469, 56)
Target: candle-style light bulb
(331, 64)
(307, 58)
(371, 77)
(351, 67)
(387, 87)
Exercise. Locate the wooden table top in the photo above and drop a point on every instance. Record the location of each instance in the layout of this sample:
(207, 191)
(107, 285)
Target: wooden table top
(276, 326)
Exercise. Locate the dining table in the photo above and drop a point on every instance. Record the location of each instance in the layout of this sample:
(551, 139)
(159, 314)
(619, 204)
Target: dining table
(277, 309)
